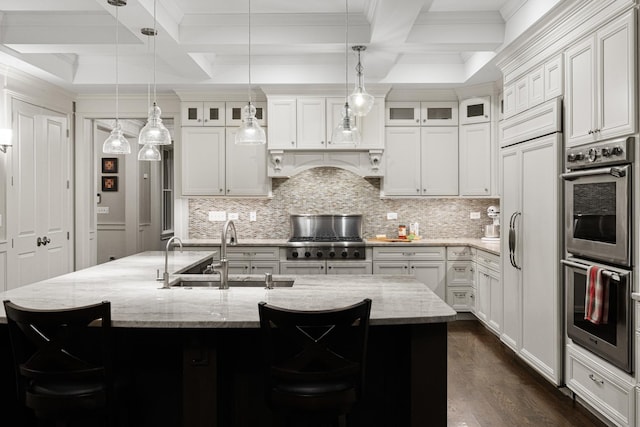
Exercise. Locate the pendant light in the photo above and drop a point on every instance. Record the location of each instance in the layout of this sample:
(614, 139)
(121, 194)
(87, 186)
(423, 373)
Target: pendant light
(154, 132)
(116, 143)
(250, 131)
(361, 102)
(346, 133)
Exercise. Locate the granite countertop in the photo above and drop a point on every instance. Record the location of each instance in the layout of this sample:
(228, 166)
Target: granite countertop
(492, 247)
(137, 300)
(635, 296)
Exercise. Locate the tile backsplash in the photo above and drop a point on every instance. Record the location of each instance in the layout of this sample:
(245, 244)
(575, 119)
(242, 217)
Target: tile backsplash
(333, 190)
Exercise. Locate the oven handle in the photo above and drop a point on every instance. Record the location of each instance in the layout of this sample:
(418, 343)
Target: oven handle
(615, 171)
(612, 274)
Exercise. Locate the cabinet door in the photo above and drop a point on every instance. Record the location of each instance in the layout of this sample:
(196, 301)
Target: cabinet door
(302, 267)
(580, 97)
(617, 78)
(261, 267)
(372, 126)
(391, 267)
(334, 106)
(203, 168)
(402, 157)
(239, 267)
(348, 267)
(509, 100)
(192, 114)
(439, 113)
(431, 274)
(439, 161)
(553, 78)
(213, 113)
(311, 123)
(459, 273)
(475, 159)
(536, 87)
(495, 305)
(402, 114)
(246, 168)
(475, 110)
(234, 111)
(281, 132)
(522, 94)
(483, 295)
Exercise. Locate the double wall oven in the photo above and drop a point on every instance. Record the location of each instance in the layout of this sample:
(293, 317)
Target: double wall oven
(598, 224)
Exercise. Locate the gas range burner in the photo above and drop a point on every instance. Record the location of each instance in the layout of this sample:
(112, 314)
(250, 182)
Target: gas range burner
(325, 239)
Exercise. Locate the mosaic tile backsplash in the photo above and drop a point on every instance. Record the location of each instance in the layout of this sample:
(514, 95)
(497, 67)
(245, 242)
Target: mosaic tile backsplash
(333, 190)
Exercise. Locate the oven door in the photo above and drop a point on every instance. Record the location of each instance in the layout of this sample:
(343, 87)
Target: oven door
(597, 214)
(611, 340)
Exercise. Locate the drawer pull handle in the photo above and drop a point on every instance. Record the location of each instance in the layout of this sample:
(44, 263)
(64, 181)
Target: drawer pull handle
(596, 380)
(459, 268)
(459, 294)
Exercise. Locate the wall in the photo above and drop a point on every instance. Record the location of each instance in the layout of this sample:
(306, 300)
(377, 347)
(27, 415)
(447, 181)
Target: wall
(333, 190)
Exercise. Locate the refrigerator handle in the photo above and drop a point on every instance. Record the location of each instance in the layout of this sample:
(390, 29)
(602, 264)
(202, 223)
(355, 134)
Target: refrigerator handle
(513, 243)
(511, 239)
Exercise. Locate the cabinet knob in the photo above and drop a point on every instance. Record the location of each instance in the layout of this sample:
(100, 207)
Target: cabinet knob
(418, 190)
(199, 120)
(486, 190)
(220, 190)
(417, 120)
(293, 143)
(322, 142)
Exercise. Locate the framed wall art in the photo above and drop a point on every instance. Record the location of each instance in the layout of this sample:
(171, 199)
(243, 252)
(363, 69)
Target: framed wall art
(109, 165)
(109, 183)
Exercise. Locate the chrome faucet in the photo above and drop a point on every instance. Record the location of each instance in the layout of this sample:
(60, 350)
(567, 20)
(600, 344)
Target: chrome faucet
(222, 268)
(165, 276)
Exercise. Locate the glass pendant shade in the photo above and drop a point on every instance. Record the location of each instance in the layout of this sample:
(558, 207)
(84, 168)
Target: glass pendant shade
(154, 132)
(150, 153)
(361, 102)
(250, 132)
(116, 143)
(346, 133)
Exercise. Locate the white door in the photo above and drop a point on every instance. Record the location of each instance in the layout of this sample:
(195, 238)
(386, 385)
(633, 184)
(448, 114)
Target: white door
(312, 123)
(431, 274)
(580, 88)
(439, 154)
(246, 168)
(281, 132)
(402, 157)
(203, 168)
(40, 195)
(475, 159)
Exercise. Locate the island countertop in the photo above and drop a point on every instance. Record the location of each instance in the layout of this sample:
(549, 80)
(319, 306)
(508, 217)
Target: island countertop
(137, 300)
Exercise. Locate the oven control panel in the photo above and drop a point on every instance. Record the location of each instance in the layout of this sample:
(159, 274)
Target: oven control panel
(326, 252)
(604, 153)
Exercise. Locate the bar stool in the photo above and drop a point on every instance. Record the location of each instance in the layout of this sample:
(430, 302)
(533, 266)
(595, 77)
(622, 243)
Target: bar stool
(314, 361)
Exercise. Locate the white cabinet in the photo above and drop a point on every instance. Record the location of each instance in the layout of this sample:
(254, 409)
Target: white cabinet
(246, 168)
(489, 290)
(475, 159)
(535, 83)
(307, 123)
(402, 114)
(522, 94)
(475, 110)
(234, 111)
(213, 165)
(349, 267)
(203, 113)
(553, 78)
(436, 113)
(532, 291)
(303, 267)
(253, 259)
(426, 263)
(601, 83)
(346, 267)
(460, 278)
(203, 157)
(421, 161)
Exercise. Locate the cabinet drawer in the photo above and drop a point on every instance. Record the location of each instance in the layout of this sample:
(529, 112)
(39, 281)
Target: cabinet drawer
(488, 260)
(409, 252)
(252, 253)
(460, 298)
(459, 273)
(611, 396)
(460, 253)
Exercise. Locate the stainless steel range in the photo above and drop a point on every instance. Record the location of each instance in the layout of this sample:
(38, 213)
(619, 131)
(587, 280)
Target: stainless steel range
(326, 236)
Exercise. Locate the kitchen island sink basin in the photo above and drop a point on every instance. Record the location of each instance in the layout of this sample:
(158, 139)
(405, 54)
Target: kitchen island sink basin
(215, 284)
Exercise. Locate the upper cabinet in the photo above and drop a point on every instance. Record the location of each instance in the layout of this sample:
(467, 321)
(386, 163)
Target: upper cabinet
(234, 110)
(475, 159)
(203, 113)
(421, 114)
(601, 83)
(539, 84)
(307, 123)
(475, 110)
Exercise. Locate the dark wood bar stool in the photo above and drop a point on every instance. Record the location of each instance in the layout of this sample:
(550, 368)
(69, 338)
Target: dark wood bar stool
(63, 363)
(314, 362)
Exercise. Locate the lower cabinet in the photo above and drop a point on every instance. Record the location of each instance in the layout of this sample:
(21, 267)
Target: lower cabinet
(461, 278)
(607, 389)
(325, 267)
(253, 259)
(489, 290)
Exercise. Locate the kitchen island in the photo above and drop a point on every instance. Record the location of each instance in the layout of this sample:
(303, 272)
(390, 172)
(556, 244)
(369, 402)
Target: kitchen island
(193, 353)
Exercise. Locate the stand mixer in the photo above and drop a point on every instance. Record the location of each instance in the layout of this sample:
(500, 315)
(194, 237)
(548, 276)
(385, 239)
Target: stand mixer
(492, 231)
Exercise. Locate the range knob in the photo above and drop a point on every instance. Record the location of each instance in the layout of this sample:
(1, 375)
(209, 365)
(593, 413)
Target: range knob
(307, 254)
(606, 152)
(319, 254)
(571, 157)
(617, 150)
(294, 254)
(579, 157)
(345, 254)
(332, 254)
(593, 155)
(356, 254)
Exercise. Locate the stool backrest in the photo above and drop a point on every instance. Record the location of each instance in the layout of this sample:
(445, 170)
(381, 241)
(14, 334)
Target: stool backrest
(312, 346)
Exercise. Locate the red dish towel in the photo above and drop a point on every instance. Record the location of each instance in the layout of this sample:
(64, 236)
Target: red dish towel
(596, 300)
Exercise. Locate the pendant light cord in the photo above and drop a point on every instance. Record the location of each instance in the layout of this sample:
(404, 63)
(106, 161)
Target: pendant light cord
(346, 48)
(155, 35)
(117, 42)
(249, 87)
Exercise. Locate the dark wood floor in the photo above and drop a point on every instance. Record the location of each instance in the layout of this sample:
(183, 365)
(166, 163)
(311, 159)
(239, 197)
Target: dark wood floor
(489, 386)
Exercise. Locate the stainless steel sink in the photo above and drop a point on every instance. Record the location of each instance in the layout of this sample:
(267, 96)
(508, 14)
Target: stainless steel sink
(232, 284)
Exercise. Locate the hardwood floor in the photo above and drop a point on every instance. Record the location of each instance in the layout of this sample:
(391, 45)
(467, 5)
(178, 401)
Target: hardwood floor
(489, 386)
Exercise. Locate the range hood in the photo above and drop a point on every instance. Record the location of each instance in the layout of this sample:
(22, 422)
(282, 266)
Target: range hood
(285, 163)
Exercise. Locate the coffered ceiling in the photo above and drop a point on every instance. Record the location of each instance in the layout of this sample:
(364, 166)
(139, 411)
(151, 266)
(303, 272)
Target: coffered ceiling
(426, 43)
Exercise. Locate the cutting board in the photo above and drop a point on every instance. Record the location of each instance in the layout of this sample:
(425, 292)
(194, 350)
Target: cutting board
(393, 240)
